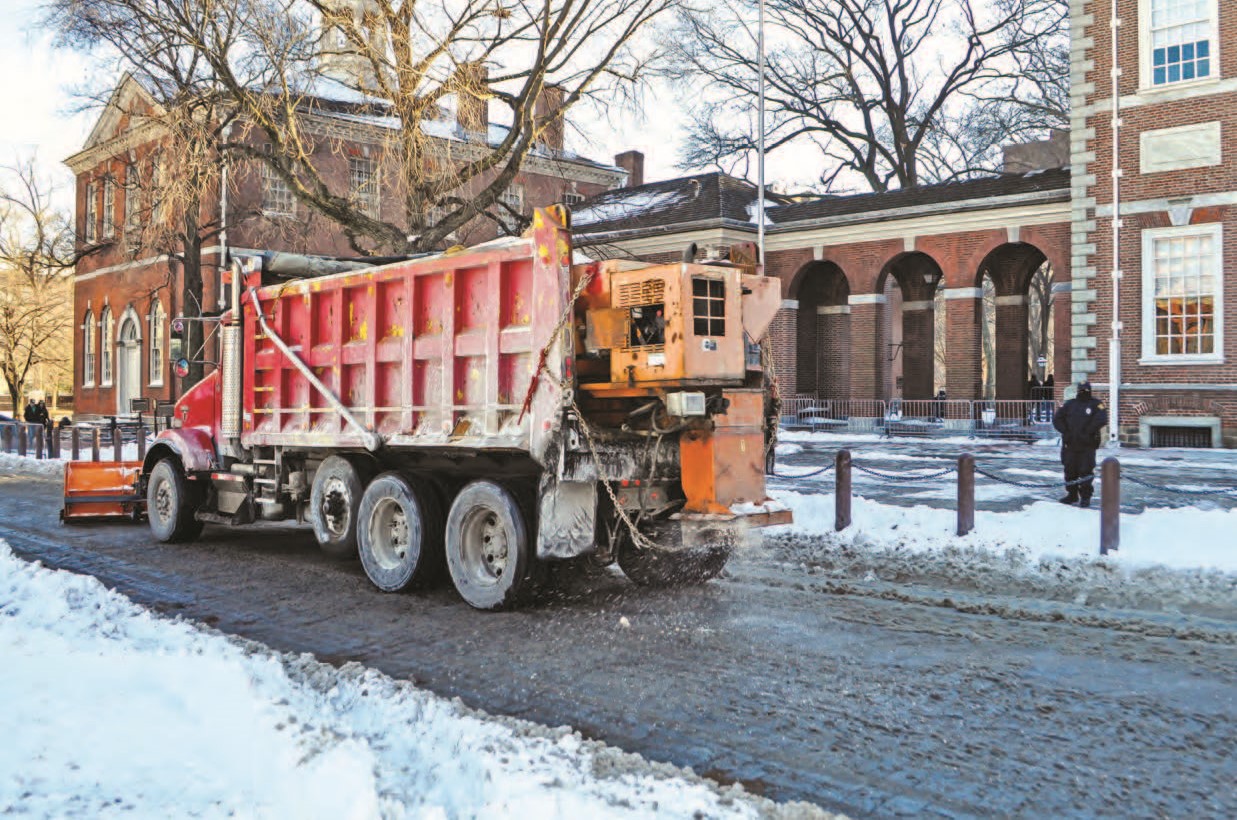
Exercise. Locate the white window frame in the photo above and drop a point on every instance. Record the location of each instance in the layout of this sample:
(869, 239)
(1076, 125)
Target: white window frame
(157, 322)
(109, 208)
(107, 347)
(364, 192)
(573, 198)
(92, 212)
(88, 349)
(270, 182)
(1146, 74)
(1149, 236)
(132, 194)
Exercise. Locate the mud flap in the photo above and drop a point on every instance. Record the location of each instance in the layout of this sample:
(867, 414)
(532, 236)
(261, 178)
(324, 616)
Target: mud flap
(567, 513)
(102, 489)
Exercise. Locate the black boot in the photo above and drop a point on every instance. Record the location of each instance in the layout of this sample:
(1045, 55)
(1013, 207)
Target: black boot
(1069, 499)
(1086, 502)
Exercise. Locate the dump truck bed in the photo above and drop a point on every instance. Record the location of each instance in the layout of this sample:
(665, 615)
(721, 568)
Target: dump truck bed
(437, 352)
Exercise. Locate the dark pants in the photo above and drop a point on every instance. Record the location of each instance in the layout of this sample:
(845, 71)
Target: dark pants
(1078, 463)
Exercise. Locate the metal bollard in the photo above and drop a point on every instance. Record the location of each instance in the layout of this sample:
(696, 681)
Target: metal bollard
(966, 493)
(841, 491)
(94, 444)
(54, 443)
(1110, 505)
(118, 442)
(21, 440)
(141, 443)
(6, 438)
(38, 442)
(75, 443)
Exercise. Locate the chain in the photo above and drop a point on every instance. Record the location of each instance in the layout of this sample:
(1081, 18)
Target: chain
(809, 474)
(1034, 485)
(897, 477)
(558, 329)
(1223, 491)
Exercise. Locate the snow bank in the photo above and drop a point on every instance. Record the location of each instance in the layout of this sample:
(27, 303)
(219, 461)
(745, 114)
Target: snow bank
(110, 709)
(13, 464)
(821, 437)
(1186, 538)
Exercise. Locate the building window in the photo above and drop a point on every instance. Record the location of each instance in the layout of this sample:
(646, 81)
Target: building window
(572, 199)
(363, 185)
(108, 350)
(1182, 39)
(513, 198)
(1183, 294)
(158, 321)
(109, 208)
(92, 213)
(276, 195)
(132, 195)
(88, 331)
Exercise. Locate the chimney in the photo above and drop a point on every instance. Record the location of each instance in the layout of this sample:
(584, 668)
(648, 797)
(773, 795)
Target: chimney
(1053, 152)
(472, 98)
(633, 163)
(549, 106)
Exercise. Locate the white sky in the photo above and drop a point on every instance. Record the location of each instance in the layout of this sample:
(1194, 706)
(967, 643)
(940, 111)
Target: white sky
(37, 98)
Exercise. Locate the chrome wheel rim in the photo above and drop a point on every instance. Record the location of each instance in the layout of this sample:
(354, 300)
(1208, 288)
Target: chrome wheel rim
(388, 534)
(484, 547)
(163, 501)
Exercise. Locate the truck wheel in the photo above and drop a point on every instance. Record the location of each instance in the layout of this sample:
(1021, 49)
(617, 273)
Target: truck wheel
(334, 501)
(399, 532)
(170, 504)
(489, 554)
(687, 567)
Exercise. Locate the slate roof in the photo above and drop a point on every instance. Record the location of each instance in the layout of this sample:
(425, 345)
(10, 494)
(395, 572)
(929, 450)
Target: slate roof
(702, 197)
(715, 199)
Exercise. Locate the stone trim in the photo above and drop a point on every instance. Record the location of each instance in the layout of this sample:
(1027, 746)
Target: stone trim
(1164, 204)
(925, 304)
(964, 293)
(826, 310)
(790, 304)
(1145, 423)
(1062, 287)
(867, 299)
(1014, 299)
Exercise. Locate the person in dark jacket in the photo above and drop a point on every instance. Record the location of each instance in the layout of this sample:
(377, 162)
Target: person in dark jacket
(31, 414)
(1079, 422)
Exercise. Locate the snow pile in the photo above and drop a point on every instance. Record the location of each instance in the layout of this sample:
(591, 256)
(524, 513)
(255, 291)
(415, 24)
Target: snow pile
(110, 709)
(624, 207)
(1187, 538)
(13, 464)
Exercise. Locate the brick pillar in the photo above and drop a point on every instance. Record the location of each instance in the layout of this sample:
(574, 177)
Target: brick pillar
(833, 351)
(963, 308)
(1061, 341)
(805, 350)
(783, 337)
(918, 353)
(1011, 347)
(867, 345)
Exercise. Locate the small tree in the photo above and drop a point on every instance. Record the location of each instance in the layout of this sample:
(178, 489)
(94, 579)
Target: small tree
(36, 261)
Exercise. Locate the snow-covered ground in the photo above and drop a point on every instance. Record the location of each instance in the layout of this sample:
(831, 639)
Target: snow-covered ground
(1184, 538)
(110, 709)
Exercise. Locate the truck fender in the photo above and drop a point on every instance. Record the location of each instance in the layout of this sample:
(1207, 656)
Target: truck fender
(192, 446)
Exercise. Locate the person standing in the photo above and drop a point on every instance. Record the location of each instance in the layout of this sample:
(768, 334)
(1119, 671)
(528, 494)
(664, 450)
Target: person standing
(1079, 422)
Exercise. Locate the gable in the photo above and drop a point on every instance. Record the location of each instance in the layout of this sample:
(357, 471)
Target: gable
(129, 98)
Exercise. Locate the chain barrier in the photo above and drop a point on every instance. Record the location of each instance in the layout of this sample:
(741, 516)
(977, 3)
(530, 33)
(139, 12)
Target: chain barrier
(1035, 485)
(1226, 492)
(902, 478)
(810, 474)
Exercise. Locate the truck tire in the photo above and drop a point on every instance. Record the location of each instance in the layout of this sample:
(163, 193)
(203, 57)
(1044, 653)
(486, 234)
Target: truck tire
(688, 567)
(334, 504)
(171, 503)
(489, 551)
(399, 532)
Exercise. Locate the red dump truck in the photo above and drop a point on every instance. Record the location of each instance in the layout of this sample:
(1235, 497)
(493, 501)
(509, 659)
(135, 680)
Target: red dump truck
(483, 412)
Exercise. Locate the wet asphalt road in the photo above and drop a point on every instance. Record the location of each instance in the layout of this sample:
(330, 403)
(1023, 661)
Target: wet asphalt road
(871, 704)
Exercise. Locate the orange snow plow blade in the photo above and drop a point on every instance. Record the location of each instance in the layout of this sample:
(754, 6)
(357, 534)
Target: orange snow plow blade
(102, 489)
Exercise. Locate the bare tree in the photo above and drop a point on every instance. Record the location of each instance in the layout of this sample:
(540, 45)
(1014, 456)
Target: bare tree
(1040, 318)
(891, 93)
(36, 261)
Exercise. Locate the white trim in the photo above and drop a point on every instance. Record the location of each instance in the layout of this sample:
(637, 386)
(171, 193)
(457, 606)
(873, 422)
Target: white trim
(925, 304)
(137, 263)
(1164, 204)
(1014, 299)
(1160, 150)
(867, 299)
(156, 379)
(831, 310)
(107, 346)
(88, 329)
(1145, 68)
(1062, 287)
(790, 304)
(964, 293)
(1149, 236)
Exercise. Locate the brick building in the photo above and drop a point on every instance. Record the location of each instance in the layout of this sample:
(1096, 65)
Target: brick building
(1177, 92)
(125, 292)
(865, 277)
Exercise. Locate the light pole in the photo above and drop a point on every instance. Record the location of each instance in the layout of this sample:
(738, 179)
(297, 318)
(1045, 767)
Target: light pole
(760, 139)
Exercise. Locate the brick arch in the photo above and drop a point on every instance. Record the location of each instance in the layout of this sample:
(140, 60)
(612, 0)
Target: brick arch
(822, 330)
(917, 275)
(1010, 267)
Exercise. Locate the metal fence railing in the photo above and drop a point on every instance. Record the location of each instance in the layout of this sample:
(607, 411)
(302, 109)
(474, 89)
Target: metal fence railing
(1021, 420)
